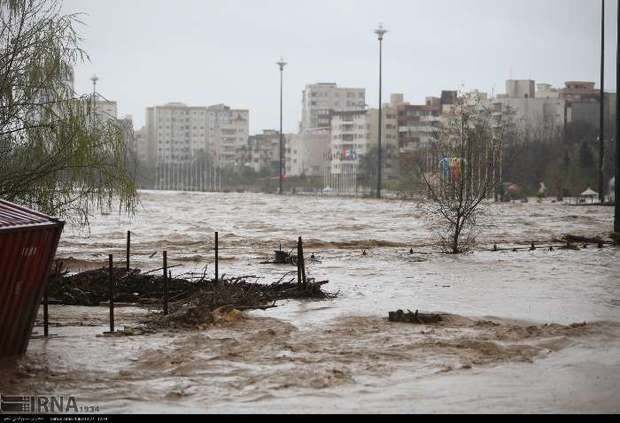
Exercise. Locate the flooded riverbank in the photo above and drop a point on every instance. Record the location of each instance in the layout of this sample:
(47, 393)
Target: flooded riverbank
(525, 331)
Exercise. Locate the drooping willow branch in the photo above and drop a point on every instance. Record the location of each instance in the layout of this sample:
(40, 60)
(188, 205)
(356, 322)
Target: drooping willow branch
(55, 155)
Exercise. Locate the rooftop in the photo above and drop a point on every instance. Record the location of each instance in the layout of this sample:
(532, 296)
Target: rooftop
(13, 216)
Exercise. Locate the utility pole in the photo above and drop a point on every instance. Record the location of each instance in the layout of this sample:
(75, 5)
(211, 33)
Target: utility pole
(380, 31)
(281, 64)
(601, 177)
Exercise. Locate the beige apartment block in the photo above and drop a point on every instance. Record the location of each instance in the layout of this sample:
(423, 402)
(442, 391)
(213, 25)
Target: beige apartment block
(389, 137)
(314, 151)
(227, 132)
(320, 100)
(176, 132)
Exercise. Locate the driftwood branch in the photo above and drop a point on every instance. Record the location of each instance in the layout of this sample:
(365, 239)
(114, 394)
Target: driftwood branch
(410, 317)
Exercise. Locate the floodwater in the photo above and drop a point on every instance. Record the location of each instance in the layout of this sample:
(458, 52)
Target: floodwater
(527, 331)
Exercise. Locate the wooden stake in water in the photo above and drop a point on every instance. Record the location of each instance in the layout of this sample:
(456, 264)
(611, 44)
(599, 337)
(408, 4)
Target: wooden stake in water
(217, 268)
(46, 321)
(299, 278)
(166, 283)
(302, 260)
(111, 281)
(301, 265)
(128, 248)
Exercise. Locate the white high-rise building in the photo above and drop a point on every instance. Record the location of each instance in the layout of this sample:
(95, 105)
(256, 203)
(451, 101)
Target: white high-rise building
(320, 100)
(176, 132)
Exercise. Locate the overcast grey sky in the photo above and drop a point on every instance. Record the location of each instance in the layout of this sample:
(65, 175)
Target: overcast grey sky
(149, 52)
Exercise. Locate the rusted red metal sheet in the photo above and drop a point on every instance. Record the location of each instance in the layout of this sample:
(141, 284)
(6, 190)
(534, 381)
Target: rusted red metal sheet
(28, 242)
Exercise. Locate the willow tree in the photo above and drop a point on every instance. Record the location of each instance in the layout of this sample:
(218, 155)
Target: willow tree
(469, 142)
(55, 155)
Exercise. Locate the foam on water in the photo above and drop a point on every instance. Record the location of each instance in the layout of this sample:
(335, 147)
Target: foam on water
(342, 354)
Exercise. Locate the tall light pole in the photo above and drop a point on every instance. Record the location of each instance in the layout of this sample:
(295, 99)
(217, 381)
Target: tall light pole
(281, 64)
(601, 181)
(94, 78)
(380, 31)
(617, 188)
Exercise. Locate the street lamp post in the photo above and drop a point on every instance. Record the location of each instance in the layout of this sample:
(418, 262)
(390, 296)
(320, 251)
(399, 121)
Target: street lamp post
(281, 64)
(601, 182)
(380, 31)
(94, 78)
(617, 188)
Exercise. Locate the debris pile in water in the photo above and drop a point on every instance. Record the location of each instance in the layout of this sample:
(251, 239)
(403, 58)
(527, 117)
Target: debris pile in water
(92, 287)
(192, 302)
(225, 300)
(410, 317)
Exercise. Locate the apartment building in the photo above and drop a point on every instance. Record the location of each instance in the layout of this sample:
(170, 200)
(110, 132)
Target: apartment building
(350, 137)
(227, 133)
(320, 100)
(294, 153)
(520, 88)
(126, 125)
(583, 104)
(417, 125)
(544, 90)
(553, 108)
(176, 132)
(529, 111)
(314, 147)
(389, 137)
(262, 152)
(144, 153)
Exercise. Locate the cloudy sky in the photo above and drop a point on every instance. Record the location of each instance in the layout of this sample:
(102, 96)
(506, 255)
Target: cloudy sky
(204, 52)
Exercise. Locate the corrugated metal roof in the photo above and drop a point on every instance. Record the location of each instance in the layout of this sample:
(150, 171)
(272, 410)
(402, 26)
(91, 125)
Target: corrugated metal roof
(13, 216)
(28, 242)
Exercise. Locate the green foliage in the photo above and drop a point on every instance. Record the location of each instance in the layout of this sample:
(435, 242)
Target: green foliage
(55, 155)
(565, 160)
(586, 157)
(367, 168)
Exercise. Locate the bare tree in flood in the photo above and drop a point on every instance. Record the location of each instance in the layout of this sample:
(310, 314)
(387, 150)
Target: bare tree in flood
(469, 143)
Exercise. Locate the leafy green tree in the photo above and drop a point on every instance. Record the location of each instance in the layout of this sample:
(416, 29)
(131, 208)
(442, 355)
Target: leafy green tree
(55, 155)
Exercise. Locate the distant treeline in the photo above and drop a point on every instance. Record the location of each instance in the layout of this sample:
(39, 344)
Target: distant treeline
(566, 160)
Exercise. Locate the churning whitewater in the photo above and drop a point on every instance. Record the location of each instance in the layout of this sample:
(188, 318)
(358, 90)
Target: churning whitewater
(538, 327)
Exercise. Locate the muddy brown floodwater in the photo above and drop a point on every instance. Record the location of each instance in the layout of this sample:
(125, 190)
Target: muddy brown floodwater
(529, 331)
